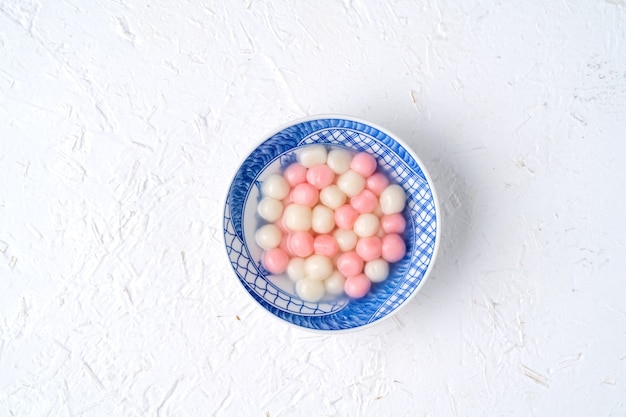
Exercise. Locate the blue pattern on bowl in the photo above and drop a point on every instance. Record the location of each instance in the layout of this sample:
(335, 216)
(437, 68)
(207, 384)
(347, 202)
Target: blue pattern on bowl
(420, 213)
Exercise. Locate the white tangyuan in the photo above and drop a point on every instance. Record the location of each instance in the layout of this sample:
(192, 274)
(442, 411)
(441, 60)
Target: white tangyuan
(297, 218)
(268, 236)
(270, 209)
(351, 183)
(346, 239)
(392, 199)
(312, 155)
(332, 196)
(377, 270)
(295, 269)
(323, 219)
(339, 160)
(334, 283)
(275, 186)
(310, 289)
(366, 225)
(318, 267)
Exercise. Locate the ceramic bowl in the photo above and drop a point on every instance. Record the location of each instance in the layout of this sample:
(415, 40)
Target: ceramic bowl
(276, 294)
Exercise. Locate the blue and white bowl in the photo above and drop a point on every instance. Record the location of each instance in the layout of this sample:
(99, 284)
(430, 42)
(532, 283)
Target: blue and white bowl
(276, 293)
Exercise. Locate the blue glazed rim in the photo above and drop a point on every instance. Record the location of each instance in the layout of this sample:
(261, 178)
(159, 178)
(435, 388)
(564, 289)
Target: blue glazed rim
(422, 214)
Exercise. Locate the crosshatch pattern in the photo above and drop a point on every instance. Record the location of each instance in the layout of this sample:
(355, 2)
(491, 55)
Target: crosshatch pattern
(405, 275)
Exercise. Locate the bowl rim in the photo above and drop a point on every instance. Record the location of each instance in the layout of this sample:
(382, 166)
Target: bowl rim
(408, 149)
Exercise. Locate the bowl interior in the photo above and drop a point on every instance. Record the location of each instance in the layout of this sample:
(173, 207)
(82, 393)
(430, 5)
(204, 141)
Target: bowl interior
(276, 293)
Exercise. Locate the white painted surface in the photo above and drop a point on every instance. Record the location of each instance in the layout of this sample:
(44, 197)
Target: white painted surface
(121, 124)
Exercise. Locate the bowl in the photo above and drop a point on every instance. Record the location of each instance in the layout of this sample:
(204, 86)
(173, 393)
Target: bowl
(275, 293)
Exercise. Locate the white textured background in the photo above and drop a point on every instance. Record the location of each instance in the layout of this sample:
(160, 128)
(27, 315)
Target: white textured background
(122, 122)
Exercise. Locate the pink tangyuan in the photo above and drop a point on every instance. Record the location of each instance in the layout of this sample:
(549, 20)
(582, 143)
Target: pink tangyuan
(376, 183)
(365, 202)
(357, 286)
(305, 194)
(295, 174)
(350, 264)
(300, 244)
(393, 248)
(363, 163)
(369, 248)
(320, 176)
(275, 261)
(393, 223)
(345, 216)
(325, 245)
